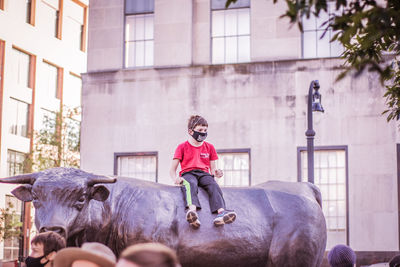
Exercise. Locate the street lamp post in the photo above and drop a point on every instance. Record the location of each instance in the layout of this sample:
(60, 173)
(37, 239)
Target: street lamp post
(314, 104)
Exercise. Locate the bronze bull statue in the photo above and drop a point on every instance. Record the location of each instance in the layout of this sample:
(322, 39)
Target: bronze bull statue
(278, 223)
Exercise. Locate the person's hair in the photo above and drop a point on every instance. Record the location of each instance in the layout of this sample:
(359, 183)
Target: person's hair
(151, 255)
(196, 120)
(341, 256)
(51, 242)
(395, 261)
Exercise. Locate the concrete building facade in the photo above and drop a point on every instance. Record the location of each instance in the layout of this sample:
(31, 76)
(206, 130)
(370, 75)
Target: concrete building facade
(42, 56)
(152, 64)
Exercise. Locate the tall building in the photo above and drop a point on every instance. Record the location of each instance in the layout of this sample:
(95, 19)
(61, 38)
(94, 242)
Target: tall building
(153, 63)
(42, 55)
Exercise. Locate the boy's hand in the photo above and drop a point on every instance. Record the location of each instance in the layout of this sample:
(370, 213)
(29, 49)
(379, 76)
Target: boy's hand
(219, 173)
(178, 180)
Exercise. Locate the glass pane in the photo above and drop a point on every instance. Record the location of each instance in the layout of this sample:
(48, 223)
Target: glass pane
(323, 46)
(341, 159)
(141, 167)
(310, 23)
(149, 52)
(218, 54)
(220, 4)
(14, 114)
(139, 53)
(218, 22)
(309, 44)
(336, 47)
(332, 175)
(322, 18)
(323, 159)
(23, 119)
(130, 54)
(341, 175)
(139, 27)
(243, 21)
(230, 22)
(130, 28)
(231, 49)
(324, 176)
(244, 49)
(139, 6)
(72, 93)
(341, 192)
(149, 27)
(332, 192)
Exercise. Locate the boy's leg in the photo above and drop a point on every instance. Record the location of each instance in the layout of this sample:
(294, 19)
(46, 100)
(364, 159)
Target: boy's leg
(214, 192)
(190, 190)
(217, 202)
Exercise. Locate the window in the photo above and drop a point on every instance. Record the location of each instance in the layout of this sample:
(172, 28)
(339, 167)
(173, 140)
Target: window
(49, 121)
(53, 14)
(21, 67)
(73, 91)
(76, 20)
(11, 245)
(137, 165)
(139, 33)
(15, 163)
(50, 81)
(230, 32)
(236, 167)
(19, 114)
(313, 45)
(30, 11)
(330, 175)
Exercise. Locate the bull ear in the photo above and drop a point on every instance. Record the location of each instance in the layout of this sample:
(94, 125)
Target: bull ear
(99, 193)
(23, 192)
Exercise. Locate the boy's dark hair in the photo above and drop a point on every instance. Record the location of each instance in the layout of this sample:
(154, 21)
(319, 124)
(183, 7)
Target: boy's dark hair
(51, 242)
(151, 255)
(196, 120)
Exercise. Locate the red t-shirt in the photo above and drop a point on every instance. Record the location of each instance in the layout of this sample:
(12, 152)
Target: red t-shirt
(195, 158)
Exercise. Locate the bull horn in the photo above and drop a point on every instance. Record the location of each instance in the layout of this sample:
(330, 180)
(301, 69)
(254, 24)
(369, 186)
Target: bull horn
(101, 180)
(28, 178)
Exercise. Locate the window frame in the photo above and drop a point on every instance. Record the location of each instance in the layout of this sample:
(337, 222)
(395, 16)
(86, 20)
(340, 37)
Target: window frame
(238, 150)
(127, 14)
(327, 34)
(18, 102)
(235, 6)
(60, 73)
(32, 86)
(128, 154)
(20, 214)
(339, 147)
(32, 13)
(59, 17)
(2, 56)
(15, 152)
(84, 30)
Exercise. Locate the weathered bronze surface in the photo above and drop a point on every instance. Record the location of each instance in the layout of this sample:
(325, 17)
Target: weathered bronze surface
(278, 223)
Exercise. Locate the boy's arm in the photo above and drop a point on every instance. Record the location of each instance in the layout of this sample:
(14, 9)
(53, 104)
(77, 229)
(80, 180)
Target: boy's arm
(172, 172)
(213, 169)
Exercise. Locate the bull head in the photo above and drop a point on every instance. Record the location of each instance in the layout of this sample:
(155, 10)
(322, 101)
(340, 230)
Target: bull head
(60, 196)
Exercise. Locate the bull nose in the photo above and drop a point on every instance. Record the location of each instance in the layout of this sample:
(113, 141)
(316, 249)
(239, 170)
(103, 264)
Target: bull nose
(59, 230)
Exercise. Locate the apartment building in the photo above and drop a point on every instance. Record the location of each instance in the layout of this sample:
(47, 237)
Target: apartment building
(153, 63)
(42, 55)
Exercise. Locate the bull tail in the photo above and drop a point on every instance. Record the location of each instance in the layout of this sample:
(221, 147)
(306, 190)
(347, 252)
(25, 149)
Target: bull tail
(316, 192)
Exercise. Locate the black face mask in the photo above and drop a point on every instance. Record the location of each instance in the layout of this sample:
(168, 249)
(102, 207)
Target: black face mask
(198, 136)
(35, 262)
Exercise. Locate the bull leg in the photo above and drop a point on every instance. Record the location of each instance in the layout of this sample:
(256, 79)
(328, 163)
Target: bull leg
(298, 248)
